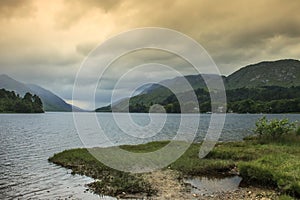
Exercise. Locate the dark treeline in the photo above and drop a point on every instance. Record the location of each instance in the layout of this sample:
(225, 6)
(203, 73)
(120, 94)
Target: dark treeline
(267, 93)
(270, 99)
(12, 103)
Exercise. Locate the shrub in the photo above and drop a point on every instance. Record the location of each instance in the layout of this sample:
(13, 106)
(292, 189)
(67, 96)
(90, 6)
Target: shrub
(273, 128)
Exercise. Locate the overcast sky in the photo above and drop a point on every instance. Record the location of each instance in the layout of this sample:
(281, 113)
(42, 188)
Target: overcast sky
(45, 42)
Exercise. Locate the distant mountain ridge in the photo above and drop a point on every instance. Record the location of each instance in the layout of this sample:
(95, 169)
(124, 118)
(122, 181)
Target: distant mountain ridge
(282, 73)
(51, 102)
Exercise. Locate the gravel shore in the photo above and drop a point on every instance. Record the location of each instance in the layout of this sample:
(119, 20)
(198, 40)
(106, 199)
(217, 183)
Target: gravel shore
(170, 186)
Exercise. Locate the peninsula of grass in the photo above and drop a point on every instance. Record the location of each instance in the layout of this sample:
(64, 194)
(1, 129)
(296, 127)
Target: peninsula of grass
(108, 181)
(274, 163)
(269, 159)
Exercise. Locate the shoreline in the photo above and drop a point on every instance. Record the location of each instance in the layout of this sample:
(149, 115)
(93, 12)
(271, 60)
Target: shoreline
(246, 159)
(170, 185)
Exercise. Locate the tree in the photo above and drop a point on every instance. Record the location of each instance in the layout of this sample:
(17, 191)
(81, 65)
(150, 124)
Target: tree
(37, 104)
(10, 102)
(28, 97)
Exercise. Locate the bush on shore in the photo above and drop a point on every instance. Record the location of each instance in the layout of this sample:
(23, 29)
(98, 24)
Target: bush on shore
(274, 128)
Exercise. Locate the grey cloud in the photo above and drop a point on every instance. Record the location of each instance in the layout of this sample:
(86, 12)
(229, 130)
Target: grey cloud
(104, 4)
(36, 58)
(15, 8)
(85, 48)
(15, 50)
(75, 10)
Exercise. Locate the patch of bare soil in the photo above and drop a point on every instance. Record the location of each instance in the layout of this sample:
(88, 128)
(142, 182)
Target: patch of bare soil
(170, 186)
(247, 193)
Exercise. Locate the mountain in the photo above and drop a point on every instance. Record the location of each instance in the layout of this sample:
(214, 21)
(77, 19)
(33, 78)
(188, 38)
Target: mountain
(51, 102)
(283, 73)
(10, 84)
(196, 81)
(157, 93)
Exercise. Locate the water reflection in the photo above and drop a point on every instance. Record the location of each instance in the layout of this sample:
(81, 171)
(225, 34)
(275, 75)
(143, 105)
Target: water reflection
(209, 186)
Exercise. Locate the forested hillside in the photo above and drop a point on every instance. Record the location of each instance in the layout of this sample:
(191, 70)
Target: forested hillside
(265, 87)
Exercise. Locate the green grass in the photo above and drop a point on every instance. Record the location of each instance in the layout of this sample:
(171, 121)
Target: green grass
(144, 148)
(261, 162)
(190, 164)
(111, 182)
(285, 197)
(274, 164)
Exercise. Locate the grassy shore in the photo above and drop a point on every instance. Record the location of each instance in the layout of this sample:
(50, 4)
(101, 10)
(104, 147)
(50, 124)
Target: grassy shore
(264, 163)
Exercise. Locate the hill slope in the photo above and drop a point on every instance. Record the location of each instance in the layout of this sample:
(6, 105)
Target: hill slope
(283, 73)
(157, 93)
(10, 84)
(51, 102)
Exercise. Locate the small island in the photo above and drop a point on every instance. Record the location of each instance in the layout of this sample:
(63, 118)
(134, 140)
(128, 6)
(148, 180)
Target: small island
(12, 103)
(268, 162)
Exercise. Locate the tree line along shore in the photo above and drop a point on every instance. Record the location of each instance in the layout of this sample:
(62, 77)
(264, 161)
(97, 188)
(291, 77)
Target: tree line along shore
(10, 102)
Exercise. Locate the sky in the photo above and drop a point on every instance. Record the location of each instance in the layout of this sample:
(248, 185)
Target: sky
(45, 42)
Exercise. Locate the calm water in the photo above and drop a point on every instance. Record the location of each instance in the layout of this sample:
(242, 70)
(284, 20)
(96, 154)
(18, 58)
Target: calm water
(28, 140)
